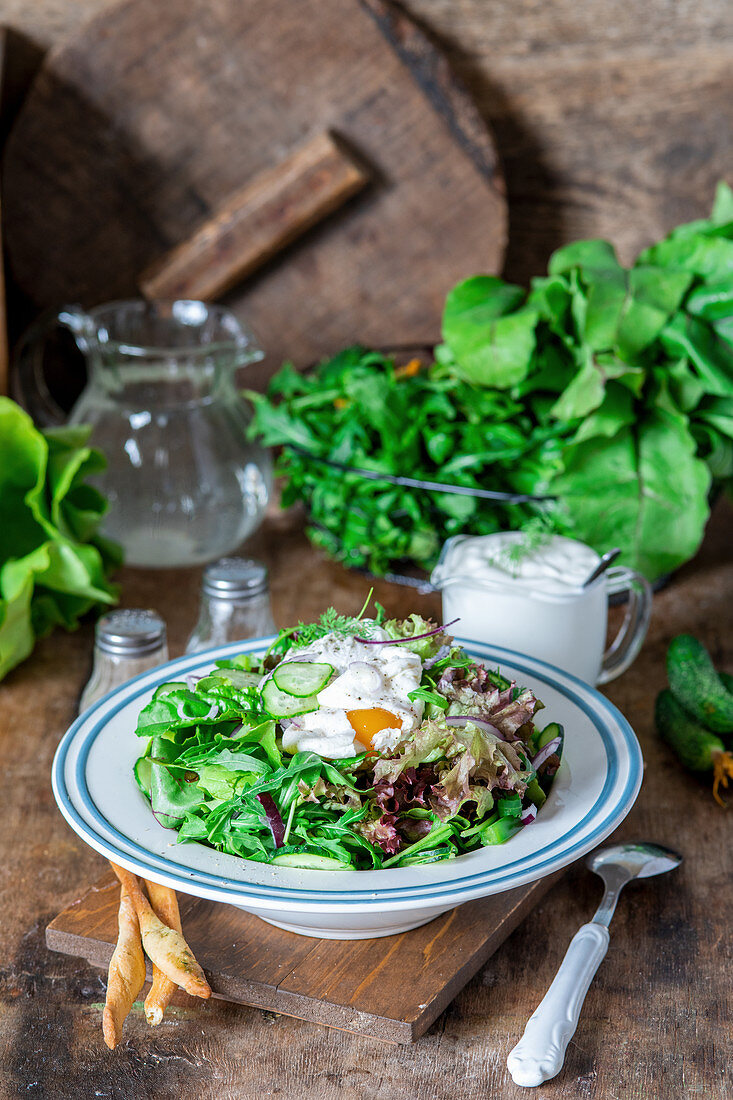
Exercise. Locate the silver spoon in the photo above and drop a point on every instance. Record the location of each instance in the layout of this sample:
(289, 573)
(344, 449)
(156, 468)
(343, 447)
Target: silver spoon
(540, 1052)
(608, 559)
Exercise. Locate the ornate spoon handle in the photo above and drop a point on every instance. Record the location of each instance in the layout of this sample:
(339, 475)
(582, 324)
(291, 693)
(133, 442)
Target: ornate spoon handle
(540, 1052)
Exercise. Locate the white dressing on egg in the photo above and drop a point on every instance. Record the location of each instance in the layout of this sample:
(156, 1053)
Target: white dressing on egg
(366, 677)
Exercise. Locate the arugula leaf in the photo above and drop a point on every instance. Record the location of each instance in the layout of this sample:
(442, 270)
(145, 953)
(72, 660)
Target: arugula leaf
(428, 696)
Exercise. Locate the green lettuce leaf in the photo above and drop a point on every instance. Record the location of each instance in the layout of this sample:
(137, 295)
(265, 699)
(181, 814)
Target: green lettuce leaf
(16, 630)
(490, 334)
(53, 565)
(643, 490)
(412, 626)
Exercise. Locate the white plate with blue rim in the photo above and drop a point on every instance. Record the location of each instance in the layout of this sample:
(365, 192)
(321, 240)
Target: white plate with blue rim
(593, 791)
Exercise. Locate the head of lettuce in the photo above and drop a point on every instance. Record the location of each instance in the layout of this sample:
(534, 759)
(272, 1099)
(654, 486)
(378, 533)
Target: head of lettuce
(53, 563)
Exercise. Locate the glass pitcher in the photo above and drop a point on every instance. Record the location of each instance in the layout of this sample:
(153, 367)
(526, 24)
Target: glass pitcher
(183, 483)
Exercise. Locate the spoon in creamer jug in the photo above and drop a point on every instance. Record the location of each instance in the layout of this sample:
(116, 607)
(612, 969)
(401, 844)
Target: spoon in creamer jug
(608, 559)
(540, 1052)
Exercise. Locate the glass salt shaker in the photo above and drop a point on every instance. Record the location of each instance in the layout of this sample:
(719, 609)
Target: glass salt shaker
(235, 604)
(126, 643)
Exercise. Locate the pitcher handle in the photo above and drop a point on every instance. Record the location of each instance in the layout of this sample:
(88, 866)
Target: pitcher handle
(627, 643)
(29, 384)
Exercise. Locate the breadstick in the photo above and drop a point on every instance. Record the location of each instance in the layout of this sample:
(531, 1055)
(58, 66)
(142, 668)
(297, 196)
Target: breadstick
(126, 975)
(165, 946)
(165, 906)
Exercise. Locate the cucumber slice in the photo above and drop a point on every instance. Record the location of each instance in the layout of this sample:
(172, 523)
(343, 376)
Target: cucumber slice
(235, 677)
(239, 677)
(281, 705)
(302, 678)
(310, 861)
(535, 793)
(142, 770)
(549, 733)
(166, 689)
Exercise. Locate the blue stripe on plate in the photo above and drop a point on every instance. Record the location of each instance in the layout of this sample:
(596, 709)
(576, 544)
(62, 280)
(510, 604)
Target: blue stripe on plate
(425, 894)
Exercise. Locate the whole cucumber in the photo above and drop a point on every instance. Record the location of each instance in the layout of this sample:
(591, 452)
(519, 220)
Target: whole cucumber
(697, 686)
(696, 746)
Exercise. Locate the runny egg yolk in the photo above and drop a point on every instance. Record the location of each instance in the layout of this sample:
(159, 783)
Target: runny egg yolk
(366, 724)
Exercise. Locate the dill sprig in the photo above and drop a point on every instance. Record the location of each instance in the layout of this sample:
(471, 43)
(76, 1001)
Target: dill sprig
(536, 533)
(330, 622)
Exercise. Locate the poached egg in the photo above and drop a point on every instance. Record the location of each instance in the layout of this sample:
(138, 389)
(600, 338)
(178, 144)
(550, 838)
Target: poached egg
(365, 704)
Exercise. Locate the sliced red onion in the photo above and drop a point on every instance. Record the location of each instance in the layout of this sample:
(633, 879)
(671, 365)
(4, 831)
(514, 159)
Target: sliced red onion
(192, 680)
(528, 815)
(545, 752)
(482, 723)
(277, 828)
(401, 641)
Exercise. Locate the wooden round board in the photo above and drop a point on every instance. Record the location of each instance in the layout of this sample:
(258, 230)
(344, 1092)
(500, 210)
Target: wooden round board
(139, 128)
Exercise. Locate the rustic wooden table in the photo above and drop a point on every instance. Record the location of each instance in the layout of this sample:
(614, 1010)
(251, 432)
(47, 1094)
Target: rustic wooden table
(656, 1022)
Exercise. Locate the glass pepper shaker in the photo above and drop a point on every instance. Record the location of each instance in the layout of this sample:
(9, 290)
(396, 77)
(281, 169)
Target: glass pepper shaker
(235, 604)
(126, 643)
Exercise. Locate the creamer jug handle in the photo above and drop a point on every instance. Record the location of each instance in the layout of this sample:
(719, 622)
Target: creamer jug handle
(28, 375)
(627, 643)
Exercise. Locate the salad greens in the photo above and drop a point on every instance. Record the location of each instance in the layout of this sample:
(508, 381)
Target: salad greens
(362, 410)
(53, 563)
(473, 772)
(607, 388)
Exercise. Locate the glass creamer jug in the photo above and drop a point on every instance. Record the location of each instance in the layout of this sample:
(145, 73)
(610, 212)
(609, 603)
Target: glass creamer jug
(183, 483)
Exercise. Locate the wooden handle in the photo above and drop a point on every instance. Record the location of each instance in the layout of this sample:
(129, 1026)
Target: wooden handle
(257, 221)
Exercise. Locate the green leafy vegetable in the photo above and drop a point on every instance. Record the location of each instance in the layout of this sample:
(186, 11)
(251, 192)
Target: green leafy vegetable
(53, 564)
(213, 768)
(607, 388)
(361, 410)
(643, 490)
(491, 332)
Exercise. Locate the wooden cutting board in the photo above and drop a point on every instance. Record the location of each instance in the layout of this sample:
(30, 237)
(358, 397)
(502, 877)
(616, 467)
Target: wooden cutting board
(391, 988)
(141, 128)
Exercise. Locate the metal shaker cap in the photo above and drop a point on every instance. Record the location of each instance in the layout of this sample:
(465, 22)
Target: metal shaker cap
(130, 632)
(235, 579)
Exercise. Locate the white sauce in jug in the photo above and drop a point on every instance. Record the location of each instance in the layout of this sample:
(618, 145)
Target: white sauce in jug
(531, 601)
